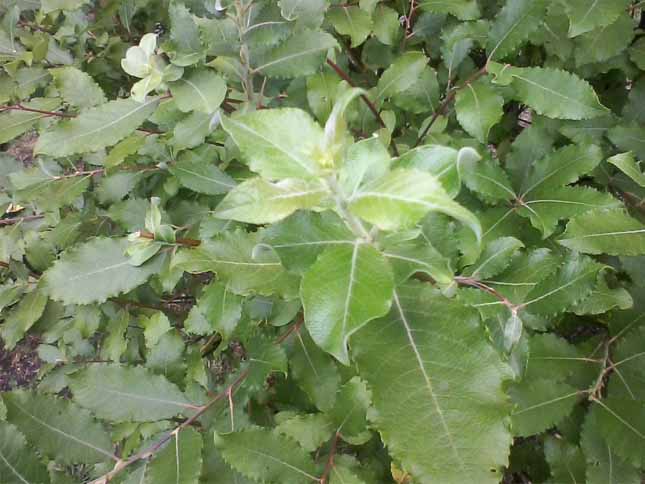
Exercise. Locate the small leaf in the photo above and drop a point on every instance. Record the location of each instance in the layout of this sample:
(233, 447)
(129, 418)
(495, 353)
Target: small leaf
(263, 455)
(96, 128)
(402, 74)
(626, 163)
(217, 309)
(14, 122)
(23, 317)
(462, 9)
(347, 287)
(311, 430)
(349, 415)
(611, 232)
(479, 108)
(77, 87)
(496, 257)
(199, 174)
(127, 394)
(352, 21)
(203, 90)
(95, 271)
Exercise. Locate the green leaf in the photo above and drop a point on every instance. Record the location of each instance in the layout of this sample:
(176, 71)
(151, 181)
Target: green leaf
(18, 463)
(96, 271)
(95, 128)
(626, 163)
(258, 201)
(611, 232)
(462, 9)
(277, 143)
(555, 93)
(60, 429)
(347, 287)
(349, 415)
(364, 161)
(387, 28)
(23, 317)
(77, 87)
(604, 43)
(180, 461)
(636, 53)
(565, 460)
(621, 424)
(540, 404)
(513, 25)
(310, 430)
(603, 298)
(496, 257)
(629, 137)
(216, 310)
(266, 456)
(486, 178)
(401, 75)
(309, 13)
(402, 197)
(314, 371)
(300, 55)
(14, 123)
(565, 288)
(479, 108)
(127, 394)
(585, 16)
(352, 21)
(410, 257)
(202, 90)
(441, 161)
(199, 174)
(425, 372)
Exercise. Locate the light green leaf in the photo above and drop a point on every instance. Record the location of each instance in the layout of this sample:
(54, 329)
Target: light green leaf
(352, 21)
(636, 52)
(540, 404)
(440, 161)
(199, 174)
(300, 55)
(364, 161)
(611, 232)
(387, 28)
(59, 428)
(349, 415)
(266, 456)
(496, 257)
(432, 379)
(309, 430)
(127, 394)
(604, 43)
(14, 123)
(626, 163)
(585, 15)
(95, 128)
(77, 87)
(18, 463)
(347, 287)
(554, 93)
(629, 137)
(479, 108)
(402, 197)
(401, 75)
(217, 309)
(258, 201)
(95, 271)
(410, 257)
(513, 25)
(23, 317)
(462, 9)
(179, 462)
(192, 130)
(202, 90)
(277, 143)
(309, 13)
(603, 298)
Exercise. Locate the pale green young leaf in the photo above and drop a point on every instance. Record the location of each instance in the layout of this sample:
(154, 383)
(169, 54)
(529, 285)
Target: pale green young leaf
(479, 108)
(115, 343)
(611, 232)
(266, 456)
(191, 131)
(585, 16)
(410, 257)
(441, 378)
(402, 197)
(127, 394)
(201, 90)
(259, 201)
(626, 163)
(277, 143)
(309, 13)
(462, 9)
(352, 21)
(347, 287)
(95, 271)
(513, 25)
(18, 463)
(364, 161)
(96, 128)
(300, 55)
(200, 174)
(401, 75)
(77, 87)
(179, 462)
(540, 404)
(58, 428)
(422, 96)
(441, 161)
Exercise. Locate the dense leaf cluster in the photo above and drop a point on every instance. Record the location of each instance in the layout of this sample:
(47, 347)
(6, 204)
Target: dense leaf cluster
(296, 241)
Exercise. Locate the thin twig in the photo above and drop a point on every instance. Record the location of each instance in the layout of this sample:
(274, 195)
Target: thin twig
(343, 75)
(154, 448)
(17, 220)
(469, 281)
(330, 460)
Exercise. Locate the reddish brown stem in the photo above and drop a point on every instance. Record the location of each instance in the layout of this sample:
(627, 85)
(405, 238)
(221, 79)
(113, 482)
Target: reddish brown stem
(17, 220)
(469, 281)
(324, 479)
(343, 75)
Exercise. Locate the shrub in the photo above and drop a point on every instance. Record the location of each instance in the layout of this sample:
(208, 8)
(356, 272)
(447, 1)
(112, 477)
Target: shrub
(309, 241)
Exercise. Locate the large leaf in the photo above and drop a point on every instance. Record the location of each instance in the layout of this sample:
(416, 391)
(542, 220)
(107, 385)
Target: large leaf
(259, 201)
(95, 271)
(123, 394)
(432, 380)
(59, 428)
(611, 232)
(266, 456)
(585, 15)
(18, 463)
(513, 25)
(402, 197)
(179, 462)
(346, 288)
(96, 128)
(277, 143)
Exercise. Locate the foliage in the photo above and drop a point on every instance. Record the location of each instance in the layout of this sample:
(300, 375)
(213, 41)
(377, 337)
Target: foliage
(293, 241)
